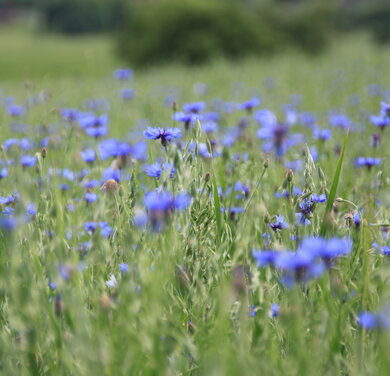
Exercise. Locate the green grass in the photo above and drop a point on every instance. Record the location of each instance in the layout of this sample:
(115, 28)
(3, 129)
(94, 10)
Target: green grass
(184, 306)
(28, 54)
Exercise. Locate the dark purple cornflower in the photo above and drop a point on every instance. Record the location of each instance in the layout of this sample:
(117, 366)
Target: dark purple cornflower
(279, 223)
(166, 135)
(28, 161)
(368, 162)
(375, 140)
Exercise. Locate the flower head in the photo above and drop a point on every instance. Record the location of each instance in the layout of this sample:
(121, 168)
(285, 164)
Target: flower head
(166, 135)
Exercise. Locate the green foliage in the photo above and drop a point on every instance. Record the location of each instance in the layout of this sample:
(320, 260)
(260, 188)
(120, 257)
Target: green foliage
(190, 32)
(81, 16)
(197, 31)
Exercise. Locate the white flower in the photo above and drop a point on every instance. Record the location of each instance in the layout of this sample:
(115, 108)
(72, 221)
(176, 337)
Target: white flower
(112, 282)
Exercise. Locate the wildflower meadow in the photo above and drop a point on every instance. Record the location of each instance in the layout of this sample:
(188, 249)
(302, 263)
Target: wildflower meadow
(230, 219)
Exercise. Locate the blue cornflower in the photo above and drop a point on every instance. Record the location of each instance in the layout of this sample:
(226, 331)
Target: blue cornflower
(252, 312)
(88, 155)
(8, 211)
(15, 110)
(155, 170)
(123, 74)
(7, 223)
(111, 173)
(277, 136)
(90, 197)
(3, 173)
(70, 114)
(274, 311)
(127, 94)
(368, 320)
(368, 162)
(31, 209)
(91, 120)
(105, 229)
(338, 120)
(90, 227)
(28, 161)
(322, 134)
(124, 267)
(96, 132)
(279, 223)
(327, 249)
(385, 250)
(209, 127)
(380, 121)
(194, 107)
(166, 135)
(158, 201)
(114, 148)
(242, 189)
(265, 258)
(250, 104)
(188, 120)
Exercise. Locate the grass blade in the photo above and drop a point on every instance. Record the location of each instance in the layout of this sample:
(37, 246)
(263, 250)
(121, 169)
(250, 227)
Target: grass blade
(333, 189)
(217, 208)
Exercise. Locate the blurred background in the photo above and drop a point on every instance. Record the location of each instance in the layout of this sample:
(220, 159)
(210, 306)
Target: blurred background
(49, 38)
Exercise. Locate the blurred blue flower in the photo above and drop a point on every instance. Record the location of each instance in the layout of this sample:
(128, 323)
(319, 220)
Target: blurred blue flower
(275, 309)
(155, 170)
(88, 155)
(28, 161)
(250, 104)
(194, 107)
(368, 162)
(123, 74)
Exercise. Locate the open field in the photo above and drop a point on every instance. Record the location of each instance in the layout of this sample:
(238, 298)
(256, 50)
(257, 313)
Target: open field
(139, 251)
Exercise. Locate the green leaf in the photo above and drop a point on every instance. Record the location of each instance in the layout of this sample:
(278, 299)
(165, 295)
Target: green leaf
(333, 189)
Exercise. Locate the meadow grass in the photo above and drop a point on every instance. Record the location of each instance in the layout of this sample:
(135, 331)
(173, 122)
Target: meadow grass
(171, 287)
